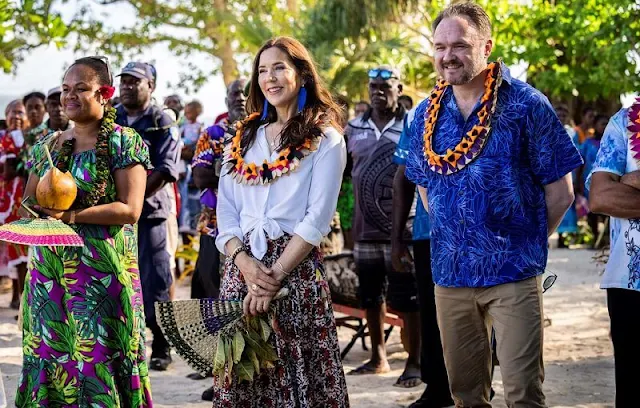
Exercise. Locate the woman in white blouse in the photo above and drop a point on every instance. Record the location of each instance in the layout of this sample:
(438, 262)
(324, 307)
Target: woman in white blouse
(277, 195)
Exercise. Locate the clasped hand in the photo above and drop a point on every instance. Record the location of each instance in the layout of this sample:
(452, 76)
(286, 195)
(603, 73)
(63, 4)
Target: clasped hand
(263, 283)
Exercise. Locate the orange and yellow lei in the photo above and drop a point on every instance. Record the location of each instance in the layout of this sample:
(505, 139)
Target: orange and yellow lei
(252, 174)
(634, 130)
(472, 143)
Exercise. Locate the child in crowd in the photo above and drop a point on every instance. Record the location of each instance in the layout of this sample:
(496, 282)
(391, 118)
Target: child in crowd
(189, 193)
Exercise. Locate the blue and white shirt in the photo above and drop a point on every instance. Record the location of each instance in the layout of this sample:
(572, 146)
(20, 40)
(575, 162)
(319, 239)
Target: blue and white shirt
(489, 220)
(623, 269)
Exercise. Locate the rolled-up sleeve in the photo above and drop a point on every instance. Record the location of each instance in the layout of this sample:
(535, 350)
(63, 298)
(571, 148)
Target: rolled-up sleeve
(165, 150)
(227, 214)
(326, 178)
(612, 155)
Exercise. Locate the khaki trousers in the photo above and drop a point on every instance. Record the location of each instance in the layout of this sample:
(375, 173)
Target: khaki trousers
(465, 316)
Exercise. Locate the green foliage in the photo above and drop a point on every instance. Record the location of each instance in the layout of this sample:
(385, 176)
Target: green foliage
(25, 26)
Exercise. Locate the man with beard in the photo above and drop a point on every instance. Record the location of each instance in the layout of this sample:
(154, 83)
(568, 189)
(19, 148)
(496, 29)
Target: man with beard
(493, 164)
(57, 118)
(206, 173)
(371, 141)
(157, 130)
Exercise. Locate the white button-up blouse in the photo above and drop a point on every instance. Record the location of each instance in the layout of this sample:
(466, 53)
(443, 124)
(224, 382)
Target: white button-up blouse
(302, 202)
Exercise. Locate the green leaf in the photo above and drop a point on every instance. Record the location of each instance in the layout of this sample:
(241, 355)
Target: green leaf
(265, 329)
(238, 346)
(229, 354)
(253, 358)
(262, 349)
(106, 400)
(103, 373)
(219, 359)
(245, 371)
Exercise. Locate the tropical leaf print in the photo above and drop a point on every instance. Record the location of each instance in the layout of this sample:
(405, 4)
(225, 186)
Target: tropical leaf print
(93, 306)
(83, 339)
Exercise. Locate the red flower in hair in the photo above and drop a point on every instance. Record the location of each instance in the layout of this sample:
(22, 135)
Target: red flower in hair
(107, 91)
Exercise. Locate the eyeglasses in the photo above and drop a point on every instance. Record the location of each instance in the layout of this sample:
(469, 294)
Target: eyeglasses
(382, 73)
(105, 61)
(548, 281)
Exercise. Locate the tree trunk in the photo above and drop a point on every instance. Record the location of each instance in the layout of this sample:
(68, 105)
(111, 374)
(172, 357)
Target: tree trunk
(224, 51)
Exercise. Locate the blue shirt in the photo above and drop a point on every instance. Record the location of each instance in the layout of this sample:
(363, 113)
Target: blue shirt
(489, 220)
(421, 224)
(161, 137)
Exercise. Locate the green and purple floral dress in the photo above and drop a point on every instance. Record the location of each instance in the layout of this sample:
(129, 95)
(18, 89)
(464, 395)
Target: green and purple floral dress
(83, 318)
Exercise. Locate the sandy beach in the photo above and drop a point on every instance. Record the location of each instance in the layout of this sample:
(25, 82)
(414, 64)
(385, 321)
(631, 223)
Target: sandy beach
(578, 353)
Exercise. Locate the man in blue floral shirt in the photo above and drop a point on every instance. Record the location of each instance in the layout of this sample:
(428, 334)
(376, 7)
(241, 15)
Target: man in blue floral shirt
(495, 171)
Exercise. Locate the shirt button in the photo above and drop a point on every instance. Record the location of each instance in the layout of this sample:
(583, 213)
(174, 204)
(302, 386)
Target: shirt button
(461, 221)
(460, 193)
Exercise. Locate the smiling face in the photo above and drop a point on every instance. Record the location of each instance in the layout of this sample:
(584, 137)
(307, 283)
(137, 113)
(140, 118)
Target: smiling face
(16, 116)
(80, 98)
(278, 78)
(35, 110)
(461, 51)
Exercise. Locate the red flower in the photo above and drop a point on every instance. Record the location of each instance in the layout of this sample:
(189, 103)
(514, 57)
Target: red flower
(107, 91)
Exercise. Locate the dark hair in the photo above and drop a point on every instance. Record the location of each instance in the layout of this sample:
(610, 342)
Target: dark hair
(471, 11)
(319, 111)
(100, 65)
(195, 104)
(407, 97)
(600, 117)
(3, 124)
(38, 95)
(587, 109)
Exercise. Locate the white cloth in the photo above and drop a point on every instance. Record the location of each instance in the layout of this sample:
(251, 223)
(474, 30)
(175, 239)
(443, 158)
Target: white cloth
(302, 202)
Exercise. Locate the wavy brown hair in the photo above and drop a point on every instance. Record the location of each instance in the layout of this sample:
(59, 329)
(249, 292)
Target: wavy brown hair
(320, 110)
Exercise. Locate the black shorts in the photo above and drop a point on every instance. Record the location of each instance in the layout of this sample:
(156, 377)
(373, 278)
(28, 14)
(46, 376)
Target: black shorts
(378, 281)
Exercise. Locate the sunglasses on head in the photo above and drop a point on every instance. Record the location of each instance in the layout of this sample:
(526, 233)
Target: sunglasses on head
(382, 73)
(105, 61)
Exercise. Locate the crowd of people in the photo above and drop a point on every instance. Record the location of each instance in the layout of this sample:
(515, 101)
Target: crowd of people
(447, 207)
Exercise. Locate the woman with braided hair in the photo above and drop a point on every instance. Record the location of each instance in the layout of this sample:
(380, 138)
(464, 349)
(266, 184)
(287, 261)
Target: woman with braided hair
(83, 319)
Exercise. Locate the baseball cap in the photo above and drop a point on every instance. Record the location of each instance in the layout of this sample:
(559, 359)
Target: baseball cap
(54, 91)
(139, 70)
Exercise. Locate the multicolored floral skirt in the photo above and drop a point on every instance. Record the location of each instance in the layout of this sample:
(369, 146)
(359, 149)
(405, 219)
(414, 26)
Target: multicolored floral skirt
(83, 325)
(309, 372)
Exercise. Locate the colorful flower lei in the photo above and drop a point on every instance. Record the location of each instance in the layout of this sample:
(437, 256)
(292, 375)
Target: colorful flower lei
(634, 130)
(251, 173)
(472, 143)
(102, 160)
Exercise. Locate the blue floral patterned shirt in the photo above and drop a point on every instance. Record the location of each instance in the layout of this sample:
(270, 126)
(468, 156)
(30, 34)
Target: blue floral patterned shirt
(489, 220)
(616, 157)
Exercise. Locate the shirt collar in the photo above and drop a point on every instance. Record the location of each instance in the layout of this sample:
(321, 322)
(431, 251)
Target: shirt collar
(506, 73)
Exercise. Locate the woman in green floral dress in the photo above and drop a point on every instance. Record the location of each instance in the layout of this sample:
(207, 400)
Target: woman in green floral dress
(83, 321)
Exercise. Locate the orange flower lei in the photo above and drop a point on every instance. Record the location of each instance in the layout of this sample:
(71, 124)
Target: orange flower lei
(472, 143)
(250, 173)
(634, 130)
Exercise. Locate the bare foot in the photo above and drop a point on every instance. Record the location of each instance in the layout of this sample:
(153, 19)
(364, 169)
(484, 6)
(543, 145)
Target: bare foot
(371, 368)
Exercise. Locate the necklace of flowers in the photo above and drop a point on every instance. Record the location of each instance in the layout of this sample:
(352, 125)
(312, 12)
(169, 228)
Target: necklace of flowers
(253, 174)
(102, 160)
(474, 140)
(634, 130)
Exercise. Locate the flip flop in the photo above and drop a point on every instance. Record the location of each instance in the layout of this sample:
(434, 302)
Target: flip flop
(404, 381)
(366, 369)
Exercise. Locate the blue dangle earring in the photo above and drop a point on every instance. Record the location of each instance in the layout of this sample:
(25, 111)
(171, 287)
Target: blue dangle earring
(302, 98)
(265, 109)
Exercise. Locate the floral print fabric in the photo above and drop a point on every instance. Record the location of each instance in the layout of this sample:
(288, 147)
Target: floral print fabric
(83, 319)
(308, 373)
(489, 220)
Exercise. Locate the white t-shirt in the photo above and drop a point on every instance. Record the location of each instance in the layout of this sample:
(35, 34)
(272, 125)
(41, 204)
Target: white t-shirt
(615, 156)
(302, 202)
